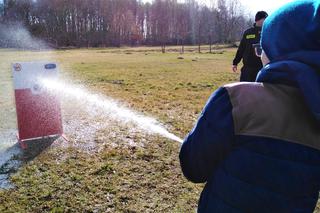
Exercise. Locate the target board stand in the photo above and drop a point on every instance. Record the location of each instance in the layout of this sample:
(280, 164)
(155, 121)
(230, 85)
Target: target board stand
(38, 109)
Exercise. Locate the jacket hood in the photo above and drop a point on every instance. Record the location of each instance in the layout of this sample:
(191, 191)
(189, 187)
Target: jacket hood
(300, 70)
(293, 27)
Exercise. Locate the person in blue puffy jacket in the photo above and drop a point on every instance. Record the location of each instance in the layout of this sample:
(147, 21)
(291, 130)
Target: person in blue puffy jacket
(257, 145)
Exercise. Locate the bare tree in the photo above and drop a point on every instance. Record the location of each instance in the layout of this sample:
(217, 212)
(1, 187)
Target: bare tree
(182, 24)
(95, 23)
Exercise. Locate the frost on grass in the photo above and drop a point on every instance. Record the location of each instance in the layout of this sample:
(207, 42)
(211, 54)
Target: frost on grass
(91, 130)
(9, 153)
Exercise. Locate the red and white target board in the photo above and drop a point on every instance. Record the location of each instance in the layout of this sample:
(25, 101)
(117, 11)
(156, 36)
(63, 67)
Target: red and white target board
(38, 110)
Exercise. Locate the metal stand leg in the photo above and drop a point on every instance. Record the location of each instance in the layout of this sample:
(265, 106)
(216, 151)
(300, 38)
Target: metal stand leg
(65, 137)
(23, 145)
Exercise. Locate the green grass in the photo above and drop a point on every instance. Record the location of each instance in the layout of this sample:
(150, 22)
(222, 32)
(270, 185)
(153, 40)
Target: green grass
(118, 178)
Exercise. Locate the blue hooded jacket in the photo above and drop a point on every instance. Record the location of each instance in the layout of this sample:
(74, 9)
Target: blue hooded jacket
(257, 145)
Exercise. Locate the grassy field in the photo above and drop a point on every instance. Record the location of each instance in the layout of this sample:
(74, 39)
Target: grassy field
(143, 177)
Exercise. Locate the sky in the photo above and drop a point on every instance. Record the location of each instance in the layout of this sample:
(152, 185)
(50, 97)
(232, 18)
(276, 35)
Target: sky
(267, 5)
(252, 5)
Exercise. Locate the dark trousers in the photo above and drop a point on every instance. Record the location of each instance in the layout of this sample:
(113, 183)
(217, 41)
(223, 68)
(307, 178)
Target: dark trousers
(249, 74)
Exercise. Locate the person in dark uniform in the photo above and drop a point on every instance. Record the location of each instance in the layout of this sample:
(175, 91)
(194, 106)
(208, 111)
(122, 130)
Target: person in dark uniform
(251, 63)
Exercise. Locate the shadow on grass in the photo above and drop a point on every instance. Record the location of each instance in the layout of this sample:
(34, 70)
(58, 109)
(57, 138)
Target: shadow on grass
(36, 147)
(12, 158)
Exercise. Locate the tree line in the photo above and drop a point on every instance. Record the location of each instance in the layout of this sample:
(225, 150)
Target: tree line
(101, 23)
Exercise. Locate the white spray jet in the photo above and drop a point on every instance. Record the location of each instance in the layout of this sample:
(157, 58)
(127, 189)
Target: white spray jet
(109, 106)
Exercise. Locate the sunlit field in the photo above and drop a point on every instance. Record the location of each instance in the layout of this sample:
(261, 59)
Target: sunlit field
(107, 166)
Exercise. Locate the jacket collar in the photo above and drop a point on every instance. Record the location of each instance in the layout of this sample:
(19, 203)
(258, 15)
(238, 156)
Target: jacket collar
(300, 70)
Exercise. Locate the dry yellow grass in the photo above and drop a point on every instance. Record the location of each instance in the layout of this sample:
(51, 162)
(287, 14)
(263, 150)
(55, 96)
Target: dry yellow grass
(123, 178)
